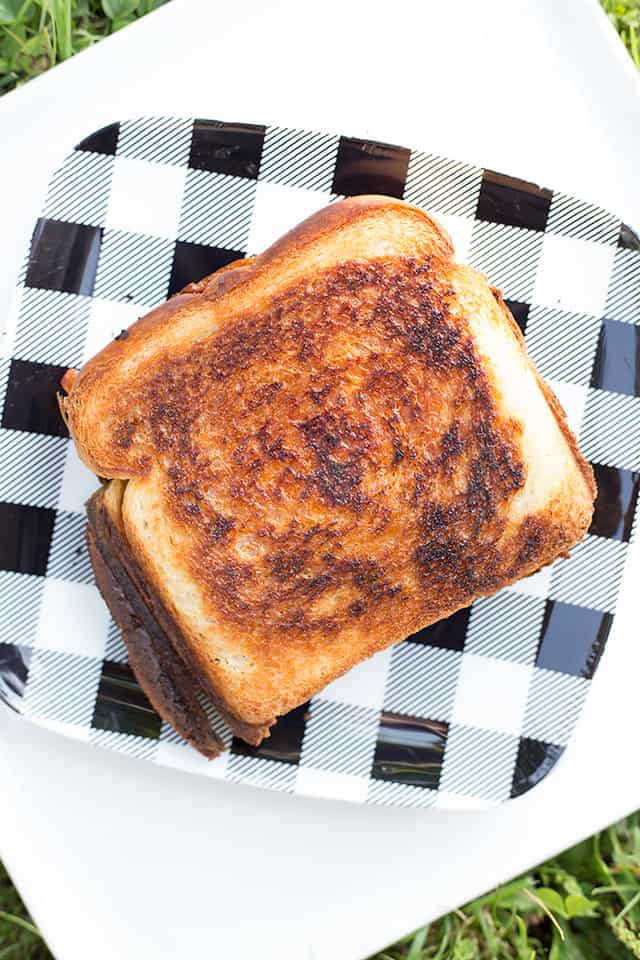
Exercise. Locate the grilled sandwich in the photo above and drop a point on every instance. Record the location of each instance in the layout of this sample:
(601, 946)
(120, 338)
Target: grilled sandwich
(312, 454)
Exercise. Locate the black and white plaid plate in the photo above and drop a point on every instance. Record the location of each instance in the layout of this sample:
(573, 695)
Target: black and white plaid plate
(469, 712)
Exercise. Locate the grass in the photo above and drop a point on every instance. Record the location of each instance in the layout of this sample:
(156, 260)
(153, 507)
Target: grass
(584, 904)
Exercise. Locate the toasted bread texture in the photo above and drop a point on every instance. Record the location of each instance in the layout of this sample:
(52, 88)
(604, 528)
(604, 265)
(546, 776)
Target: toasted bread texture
(327, 448)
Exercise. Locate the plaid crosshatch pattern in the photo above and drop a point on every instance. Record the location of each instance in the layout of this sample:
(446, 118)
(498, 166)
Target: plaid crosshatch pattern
(470, 711)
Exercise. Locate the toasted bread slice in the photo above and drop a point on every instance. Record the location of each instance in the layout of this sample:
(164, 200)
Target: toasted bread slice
(326, 449)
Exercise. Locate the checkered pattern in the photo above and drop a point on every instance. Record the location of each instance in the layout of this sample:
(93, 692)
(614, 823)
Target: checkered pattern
(470, 711)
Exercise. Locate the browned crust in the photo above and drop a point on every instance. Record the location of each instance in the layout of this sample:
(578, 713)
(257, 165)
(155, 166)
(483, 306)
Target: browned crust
(556, 407)
(151, 639)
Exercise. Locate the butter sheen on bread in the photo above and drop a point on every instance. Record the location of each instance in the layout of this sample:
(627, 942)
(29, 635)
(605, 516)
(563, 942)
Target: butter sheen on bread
(314, 454)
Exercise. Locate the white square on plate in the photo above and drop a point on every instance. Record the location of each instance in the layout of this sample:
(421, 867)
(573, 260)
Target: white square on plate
(78, 483)
(459, 229)
(363, 685)
(573, 398)
(331, 786)
(491, 694)
(181, 756)
(278, 209)
(66, 729)
(108, 318)
(73, 619)
(145, 198)
(536, 585)
(458, 801)
(573, 274)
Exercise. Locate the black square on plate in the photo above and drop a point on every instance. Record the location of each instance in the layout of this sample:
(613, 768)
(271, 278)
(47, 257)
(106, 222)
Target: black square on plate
(617, 363)
(102, 141)
(30, 401)
(14, 669)
(449, 634)
(284, 743)
(64, 256)
(572, 638)
(628, 239)
(534, 761)
(233, 148)
(121, 705)
(519, 312)
(364, 166)
(25, 537)
(514, 203)
(616, 502)
(193, 261)
(409, 750)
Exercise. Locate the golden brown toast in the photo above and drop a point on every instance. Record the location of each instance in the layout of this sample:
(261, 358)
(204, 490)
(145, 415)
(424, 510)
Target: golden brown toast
(326, 449)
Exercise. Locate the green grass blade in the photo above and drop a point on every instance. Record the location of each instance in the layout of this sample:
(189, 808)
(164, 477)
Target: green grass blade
(19, 922)
(634, 45)
(61, 15)
(418, 942)
(631, 904)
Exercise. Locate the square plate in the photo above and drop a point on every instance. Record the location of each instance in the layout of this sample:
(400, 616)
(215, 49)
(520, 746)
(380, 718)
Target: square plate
(470, 711)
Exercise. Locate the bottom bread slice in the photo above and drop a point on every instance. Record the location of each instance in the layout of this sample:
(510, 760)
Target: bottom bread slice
(153, 644)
